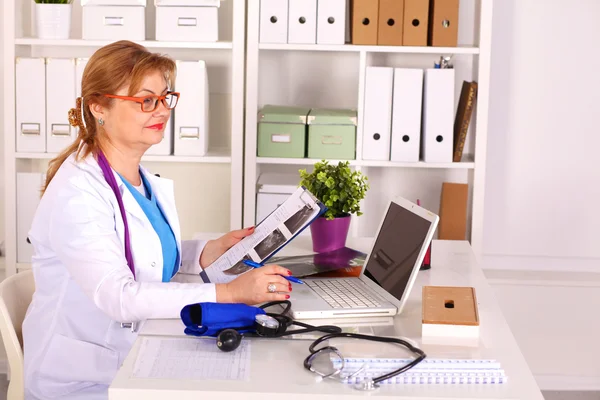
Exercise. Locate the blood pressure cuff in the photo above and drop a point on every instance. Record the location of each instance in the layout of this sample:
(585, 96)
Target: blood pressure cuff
(208, 319)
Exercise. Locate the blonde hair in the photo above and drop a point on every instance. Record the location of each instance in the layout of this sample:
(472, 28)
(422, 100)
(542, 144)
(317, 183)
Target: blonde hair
(111, 68)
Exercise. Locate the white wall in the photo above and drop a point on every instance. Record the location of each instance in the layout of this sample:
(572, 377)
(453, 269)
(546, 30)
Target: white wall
(543, 179)
(543, 185)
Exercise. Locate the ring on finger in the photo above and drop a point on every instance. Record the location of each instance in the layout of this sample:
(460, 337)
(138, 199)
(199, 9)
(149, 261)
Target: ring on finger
(271, 288)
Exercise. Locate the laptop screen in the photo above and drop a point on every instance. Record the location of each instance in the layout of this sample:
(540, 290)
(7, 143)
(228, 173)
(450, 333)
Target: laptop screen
(396, 249)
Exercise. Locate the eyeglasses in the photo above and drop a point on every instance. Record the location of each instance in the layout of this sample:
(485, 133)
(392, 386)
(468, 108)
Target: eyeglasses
(150, 103)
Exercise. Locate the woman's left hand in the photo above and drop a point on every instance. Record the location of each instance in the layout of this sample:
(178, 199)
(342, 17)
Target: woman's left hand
(215, 248)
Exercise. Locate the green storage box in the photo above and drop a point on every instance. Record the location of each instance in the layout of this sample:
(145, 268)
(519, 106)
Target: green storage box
(282, 131)
(332, 134)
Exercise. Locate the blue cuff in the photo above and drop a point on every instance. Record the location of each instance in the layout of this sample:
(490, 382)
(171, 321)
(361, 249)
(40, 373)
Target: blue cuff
(208, 319)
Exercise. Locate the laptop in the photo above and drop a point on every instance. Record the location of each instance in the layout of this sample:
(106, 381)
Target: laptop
(387, 276)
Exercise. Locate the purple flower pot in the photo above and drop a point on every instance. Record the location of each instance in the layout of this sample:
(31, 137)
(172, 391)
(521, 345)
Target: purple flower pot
(329, 235)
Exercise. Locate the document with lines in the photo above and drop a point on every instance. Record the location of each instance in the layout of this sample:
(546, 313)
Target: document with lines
(185, 358)
(270, 235)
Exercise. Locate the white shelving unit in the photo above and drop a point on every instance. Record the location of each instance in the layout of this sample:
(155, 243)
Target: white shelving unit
(208, 190)
(316, 75)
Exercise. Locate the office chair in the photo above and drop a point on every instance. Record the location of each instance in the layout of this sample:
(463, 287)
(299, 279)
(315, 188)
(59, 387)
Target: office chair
(15, 295)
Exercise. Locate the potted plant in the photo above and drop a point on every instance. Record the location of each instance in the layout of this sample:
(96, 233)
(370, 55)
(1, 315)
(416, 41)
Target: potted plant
(53, 19)
(341, 190)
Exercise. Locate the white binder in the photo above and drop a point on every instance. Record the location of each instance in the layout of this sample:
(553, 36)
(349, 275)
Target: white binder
(80, 64)
(302, 22)
(191, 114)
(165, 147)
(406, 114)
(438, 115)
(331, 22)
(30, 74)
(60, 98)
(377, 113)
(28, 185)
(273, 21)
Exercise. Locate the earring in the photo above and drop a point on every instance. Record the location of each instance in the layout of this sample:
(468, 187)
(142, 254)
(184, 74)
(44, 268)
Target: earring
(101, 121)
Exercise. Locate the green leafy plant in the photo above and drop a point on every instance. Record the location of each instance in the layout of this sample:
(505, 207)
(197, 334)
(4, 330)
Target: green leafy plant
(53, 1)
(337, 186)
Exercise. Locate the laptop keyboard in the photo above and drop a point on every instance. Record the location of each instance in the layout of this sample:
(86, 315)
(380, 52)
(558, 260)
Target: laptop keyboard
(343, 293)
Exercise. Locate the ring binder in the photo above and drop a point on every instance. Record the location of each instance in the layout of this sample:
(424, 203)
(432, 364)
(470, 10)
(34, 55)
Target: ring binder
(429, 371)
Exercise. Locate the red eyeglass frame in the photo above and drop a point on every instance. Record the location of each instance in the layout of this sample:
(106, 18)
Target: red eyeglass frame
(140, 100)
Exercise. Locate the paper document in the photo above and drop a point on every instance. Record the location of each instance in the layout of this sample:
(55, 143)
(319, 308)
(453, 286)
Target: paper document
(184, 358)
(271, 234)
(319, 263)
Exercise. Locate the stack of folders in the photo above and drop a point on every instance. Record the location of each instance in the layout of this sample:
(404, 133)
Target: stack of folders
(405, 22)
(303, 21)
(429, 371)
(408, 114)
(46, 90)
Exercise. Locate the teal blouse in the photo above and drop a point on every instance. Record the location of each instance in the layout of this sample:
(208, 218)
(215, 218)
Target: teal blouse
(157, 218)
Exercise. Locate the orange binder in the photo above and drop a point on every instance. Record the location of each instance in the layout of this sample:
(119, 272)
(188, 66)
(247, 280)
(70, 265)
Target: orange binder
(365, 15)
(453, 211)
(391, 22)
(443, 23)
(416, 20)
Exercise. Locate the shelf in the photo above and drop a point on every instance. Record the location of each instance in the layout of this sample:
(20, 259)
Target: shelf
(469, 164)
(146, 43)
(370, 49)
(216, 156)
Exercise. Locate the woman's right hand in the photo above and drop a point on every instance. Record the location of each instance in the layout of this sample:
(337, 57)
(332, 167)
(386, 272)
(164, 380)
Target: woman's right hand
(252, 287)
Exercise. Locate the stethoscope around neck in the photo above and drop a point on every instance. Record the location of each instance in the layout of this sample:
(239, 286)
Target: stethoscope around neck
(112, 182)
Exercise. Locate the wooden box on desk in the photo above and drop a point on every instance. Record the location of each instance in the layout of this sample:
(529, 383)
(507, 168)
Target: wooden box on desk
(450, 312)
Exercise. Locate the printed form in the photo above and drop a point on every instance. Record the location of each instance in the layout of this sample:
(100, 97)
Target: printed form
(185, 358)
(297, 212)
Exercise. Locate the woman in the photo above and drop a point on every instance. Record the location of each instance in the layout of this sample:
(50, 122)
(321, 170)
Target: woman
(96, 272)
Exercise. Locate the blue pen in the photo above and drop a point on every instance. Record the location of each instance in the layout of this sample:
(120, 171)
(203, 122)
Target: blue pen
(253, 264)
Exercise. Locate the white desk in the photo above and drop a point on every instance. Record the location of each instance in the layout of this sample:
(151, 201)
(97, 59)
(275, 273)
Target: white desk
(276, 365)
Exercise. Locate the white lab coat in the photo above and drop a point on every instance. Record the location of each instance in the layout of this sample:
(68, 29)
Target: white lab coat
(73, 339)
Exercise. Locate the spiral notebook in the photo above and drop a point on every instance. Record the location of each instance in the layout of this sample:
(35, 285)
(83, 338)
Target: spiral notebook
(429, 371)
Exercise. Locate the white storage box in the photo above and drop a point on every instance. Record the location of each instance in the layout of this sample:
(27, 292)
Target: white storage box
(449, 315)
(122, 3)
(114, 23)
(187, 3)
(272, 190)
(187, 24)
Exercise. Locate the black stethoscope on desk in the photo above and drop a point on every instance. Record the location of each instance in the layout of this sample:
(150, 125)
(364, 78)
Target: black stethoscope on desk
(275, 325)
